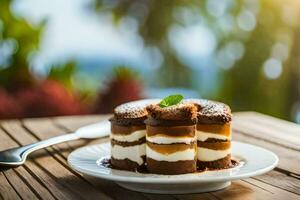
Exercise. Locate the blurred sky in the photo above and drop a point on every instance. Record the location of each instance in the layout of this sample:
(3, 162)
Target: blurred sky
(73, 31)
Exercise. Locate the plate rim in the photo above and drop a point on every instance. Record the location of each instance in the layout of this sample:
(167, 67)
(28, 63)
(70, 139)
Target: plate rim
(168, 179)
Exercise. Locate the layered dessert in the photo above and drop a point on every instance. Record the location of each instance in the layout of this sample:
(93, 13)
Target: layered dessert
(213, 134)
(128, 131)
(171, 136)
(171, 141)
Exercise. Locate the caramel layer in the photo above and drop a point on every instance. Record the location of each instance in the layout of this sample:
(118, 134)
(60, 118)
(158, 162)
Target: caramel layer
(173, 131)
(128, 144)
(214, 145)
(223, 129)
(125, 130)
(170, 148)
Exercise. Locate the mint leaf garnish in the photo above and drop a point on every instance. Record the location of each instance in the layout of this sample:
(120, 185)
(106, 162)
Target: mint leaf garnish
(170, 100)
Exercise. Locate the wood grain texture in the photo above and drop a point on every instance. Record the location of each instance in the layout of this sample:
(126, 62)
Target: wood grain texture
(40, 191)
(17, 185)
(281, 180)
(46, 175)
(6, 190)
(47, 182)
(58, 177)
(288, 158)
(262, 127)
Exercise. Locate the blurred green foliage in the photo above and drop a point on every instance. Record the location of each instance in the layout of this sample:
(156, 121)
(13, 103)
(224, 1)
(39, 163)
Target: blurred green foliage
(123, 72)
(154, 25)
(23, 40)
(64, 73)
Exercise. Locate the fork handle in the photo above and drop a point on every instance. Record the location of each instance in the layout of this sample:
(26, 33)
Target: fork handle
(27, 149)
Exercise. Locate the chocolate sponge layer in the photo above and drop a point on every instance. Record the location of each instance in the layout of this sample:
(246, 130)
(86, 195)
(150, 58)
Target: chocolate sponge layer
(181, 112)
(171, 168)
(217, 164)
(173, 131)
(126, 130)
(125, 164)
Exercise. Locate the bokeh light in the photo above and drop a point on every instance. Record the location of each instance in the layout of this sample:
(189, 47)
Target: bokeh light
(272, 68)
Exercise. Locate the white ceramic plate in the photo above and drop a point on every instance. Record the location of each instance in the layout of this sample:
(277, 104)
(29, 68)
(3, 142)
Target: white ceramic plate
(253, 161)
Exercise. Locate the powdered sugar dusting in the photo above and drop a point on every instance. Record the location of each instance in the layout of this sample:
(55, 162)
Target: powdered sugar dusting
(209, 109)
(134, 109)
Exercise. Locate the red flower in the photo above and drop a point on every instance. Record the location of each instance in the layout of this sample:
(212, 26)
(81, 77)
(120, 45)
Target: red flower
(125, 86)
(9, 107)
(50, 98)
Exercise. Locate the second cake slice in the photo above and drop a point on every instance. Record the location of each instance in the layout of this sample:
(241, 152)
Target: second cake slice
(171, 140)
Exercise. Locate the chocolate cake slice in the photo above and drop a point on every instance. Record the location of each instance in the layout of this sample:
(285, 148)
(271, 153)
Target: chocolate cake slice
(213, 134)
(128, 131)
(171, 140)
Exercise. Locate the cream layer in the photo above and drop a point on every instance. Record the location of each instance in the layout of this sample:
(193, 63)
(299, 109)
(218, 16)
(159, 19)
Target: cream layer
(133, 153)
(164, 139)
(188, 154)
(202, 136)
(134, 136)
(204, 154)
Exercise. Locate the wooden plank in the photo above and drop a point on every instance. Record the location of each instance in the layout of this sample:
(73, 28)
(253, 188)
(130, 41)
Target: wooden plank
(6, 190)
(58, 190)
(33, 183)
(69, 186)
(75, 122)
(203, 196)
(275, 191)
(160, 197)
(12, 177)
(288, 158)
(114, 190)
(42, 177)
(281, 180)
(268, 120)
(259, 126)
(248, 189)
(18, 184)
(20, 179)
(253, 189)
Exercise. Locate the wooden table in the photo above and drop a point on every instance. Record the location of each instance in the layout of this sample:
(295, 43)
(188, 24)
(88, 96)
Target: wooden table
(47, 175)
